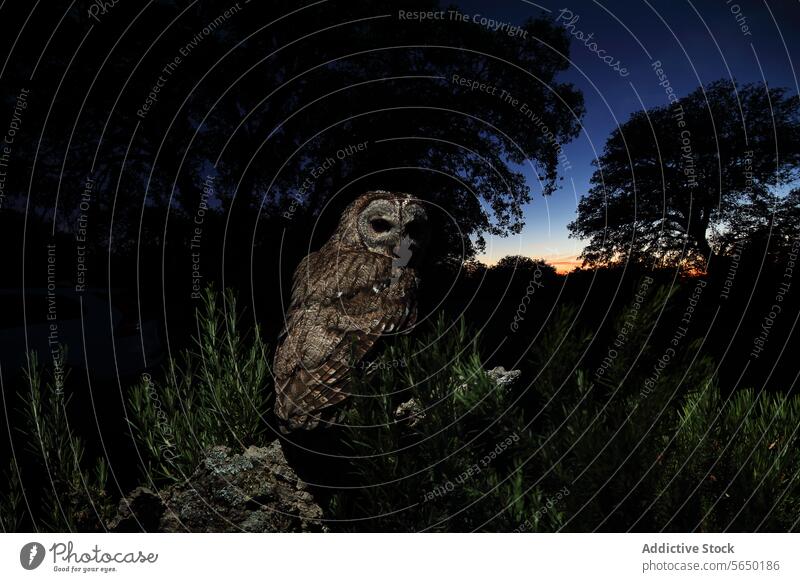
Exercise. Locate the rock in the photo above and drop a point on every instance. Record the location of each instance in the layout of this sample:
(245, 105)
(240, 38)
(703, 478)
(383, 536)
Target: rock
(502, 377)
(255, 491)
(140, 511)
(411, 412)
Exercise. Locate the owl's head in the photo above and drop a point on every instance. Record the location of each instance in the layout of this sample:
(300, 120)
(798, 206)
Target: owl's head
(386, 223)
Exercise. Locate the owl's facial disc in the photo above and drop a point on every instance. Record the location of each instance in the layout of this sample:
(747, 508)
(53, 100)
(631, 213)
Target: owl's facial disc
(379, 226)
(385, 223)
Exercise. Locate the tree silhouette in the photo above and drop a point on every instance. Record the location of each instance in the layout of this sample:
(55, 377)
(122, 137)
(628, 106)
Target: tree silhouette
(768, 228)
(271, 101)
(523, 265)
(674, 181)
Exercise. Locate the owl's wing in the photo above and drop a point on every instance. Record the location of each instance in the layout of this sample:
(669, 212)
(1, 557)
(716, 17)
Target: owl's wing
(330, 329)
(301, 284)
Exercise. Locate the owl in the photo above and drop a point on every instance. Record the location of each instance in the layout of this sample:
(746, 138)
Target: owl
(360, 285)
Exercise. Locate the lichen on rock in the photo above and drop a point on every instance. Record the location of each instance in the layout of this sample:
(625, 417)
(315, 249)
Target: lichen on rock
(253, 491)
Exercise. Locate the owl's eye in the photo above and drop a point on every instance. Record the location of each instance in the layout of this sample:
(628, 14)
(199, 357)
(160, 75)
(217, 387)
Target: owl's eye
(380, 225)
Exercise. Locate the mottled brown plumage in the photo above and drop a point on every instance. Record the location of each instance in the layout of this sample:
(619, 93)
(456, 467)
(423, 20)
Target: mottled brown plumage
(360, 285)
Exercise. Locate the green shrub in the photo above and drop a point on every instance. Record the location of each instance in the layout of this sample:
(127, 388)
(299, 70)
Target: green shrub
(217, 393)
(734, 464)
(456, 468)
(12, 516)
(65, 493)
(647, 444)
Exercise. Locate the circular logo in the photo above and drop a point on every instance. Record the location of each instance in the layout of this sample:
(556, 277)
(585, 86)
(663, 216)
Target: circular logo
(31, 555)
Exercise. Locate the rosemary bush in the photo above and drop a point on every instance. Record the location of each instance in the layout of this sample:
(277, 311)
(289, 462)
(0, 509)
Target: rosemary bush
(216, 393)
(51, 476)
(434, 443)
(455, 466)
(640, 446)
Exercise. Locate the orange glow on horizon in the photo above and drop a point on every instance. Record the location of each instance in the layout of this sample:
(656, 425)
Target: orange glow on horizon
(563, 264)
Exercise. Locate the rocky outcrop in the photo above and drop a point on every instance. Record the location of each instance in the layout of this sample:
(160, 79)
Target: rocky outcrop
(255, 491)
(502, 377)
(410, 412)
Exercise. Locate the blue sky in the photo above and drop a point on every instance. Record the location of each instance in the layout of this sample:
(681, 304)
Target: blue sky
(696, 41)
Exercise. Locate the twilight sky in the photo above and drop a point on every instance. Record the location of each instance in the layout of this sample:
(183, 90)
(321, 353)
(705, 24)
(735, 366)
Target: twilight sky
(697, 41)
